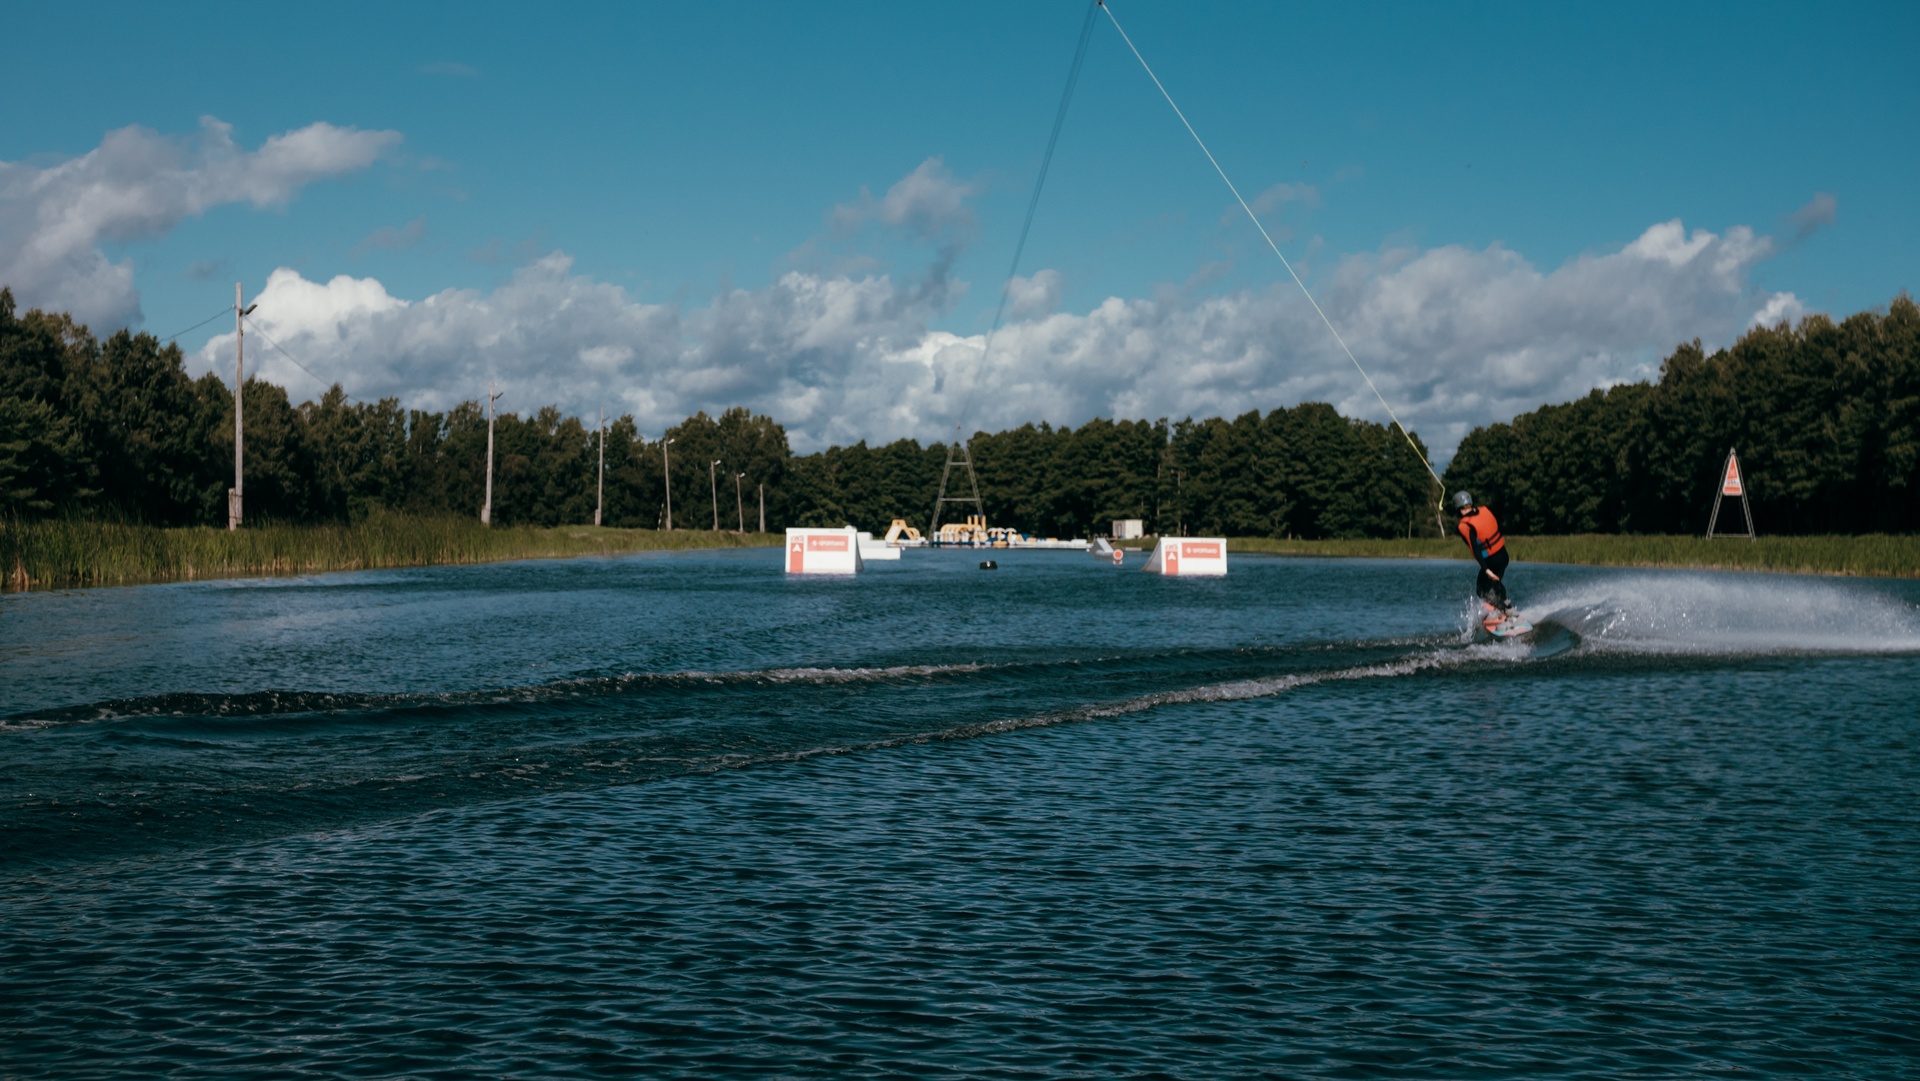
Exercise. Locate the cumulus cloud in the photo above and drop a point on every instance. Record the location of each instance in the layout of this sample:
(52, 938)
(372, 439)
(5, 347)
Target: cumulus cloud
(1780, 308)
(1037, 295)
(1454, 337)
(137, 184)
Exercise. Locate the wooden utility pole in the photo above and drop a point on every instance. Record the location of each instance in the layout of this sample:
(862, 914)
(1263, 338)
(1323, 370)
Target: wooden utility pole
(739, 506)
(713, 481)
(667, 464)
(763, 508)
(235, 493)
(600, 487)
(486, 508)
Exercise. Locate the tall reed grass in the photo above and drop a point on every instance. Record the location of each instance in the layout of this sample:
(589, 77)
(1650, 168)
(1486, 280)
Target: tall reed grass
(67, 554)
(1874, 555)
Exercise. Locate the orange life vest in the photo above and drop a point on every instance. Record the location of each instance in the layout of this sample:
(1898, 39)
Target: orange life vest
(1482, 533)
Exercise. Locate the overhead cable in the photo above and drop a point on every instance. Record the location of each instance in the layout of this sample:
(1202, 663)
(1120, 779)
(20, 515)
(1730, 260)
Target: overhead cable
(1033, 204)
(290, 357)
(197, 326)
(1255, 218)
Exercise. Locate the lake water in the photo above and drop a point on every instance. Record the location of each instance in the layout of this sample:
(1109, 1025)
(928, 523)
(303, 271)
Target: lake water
(678, 815)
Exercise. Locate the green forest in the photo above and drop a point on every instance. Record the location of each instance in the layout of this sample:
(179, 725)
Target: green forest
(117, 430)
(1826, 417)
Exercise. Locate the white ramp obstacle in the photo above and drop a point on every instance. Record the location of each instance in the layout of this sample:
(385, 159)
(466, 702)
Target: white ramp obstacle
(823, 551)
(875, 549)
(1188, 556)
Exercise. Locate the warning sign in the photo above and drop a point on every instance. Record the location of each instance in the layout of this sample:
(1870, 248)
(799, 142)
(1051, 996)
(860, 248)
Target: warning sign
(1731, 484)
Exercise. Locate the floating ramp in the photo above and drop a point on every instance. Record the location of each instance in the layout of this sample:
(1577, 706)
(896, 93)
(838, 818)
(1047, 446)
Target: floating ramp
(1189, 557)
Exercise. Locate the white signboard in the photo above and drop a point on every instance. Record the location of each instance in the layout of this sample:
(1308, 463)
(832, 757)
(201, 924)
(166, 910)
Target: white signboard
(823, 551)
(1189, 556)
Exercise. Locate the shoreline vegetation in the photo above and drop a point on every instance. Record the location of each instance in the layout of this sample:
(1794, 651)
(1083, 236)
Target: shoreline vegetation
(75, 554)
(72, 554)
(1874, 555)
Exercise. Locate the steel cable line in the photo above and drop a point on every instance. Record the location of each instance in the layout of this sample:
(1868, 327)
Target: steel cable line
(1251, 216)
(1033, 204)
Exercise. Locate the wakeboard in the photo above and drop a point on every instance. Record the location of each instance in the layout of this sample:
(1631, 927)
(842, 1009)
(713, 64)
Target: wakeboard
(1505, 624)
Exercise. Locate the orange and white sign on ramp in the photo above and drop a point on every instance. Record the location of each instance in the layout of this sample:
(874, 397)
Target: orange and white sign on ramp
(1188, 556)
(823, 551)
(1730, 485)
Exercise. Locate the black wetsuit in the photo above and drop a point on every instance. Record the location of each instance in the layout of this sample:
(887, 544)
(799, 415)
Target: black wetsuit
(1493, 565)
(1492, 589)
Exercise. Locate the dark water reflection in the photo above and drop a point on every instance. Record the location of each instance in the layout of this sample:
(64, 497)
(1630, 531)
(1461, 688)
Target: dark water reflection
(678, 816)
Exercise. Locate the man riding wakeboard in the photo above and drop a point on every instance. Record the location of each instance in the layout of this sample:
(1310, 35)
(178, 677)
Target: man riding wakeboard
(1482, 534)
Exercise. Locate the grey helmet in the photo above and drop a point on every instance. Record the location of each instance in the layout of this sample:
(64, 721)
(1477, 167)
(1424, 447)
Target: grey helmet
(1462, 500)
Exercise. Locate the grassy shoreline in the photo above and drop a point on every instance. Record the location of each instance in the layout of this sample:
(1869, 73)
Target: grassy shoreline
(78, 554)
(1872, 555)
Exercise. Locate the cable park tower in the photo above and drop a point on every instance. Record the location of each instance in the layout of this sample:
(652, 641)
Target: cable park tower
(960, 451)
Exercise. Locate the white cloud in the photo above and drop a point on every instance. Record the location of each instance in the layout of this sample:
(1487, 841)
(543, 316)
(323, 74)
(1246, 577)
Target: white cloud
(1454, 337)
(1780, 308)
(137, 184)
(1033, 296)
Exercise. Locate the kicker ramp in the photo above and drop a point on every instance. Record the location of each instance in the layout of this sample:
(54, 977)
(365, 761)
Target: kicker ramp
(1189, 556)
(823, 551)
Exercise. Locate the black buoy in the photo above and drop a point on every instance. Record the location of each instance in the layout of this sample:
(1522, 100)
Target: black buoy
(989, 565)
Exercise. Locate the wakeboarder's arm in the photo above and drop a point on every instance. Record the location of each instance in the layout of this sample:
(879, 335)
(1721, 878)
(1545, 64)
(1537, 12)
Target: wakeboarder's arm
(1472, 537)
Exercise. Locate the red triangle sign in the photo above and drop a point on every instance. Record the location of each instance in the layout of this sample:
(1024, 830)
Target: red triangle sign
(1731, 485)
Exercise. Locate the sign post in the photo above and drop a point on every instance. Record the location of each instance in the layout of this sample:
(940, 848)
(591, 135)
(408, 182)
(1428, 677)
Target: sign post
(1731, 484)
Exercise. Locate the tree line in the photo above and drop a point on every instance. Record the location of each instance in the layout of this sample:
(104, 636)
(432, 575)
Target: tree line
(1825, 417)
(118, 429)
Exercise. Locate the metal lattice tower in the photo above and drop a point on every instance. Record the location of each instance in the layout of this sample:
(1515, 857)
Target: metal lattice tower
(960, 453)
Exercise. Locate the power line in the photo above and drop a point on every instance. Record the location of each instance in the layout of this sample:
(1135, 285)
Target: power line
(293, 361)
(196, 326)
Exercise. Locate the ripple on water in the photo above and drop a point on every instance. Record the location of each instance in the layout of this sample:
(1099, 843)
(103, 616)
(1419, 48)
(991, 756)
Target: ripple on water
(1460, 872)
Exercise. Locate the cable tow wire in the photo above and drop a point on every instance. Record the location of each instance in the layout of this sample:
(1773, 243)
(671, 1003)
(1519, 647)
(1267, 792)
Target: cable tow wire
(1255, 218)
(1033, 202)
(251, 325)
(223, 311)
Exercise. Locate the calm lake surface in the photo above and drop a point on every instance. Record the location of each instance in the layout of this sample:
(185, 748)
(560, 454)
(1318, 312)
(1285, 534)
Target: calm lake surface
(677, 815)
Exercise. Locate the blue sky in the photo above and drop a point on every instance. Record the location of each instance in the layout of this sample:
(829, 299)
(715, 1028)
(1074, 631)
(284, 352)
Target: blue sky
(808, 209)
